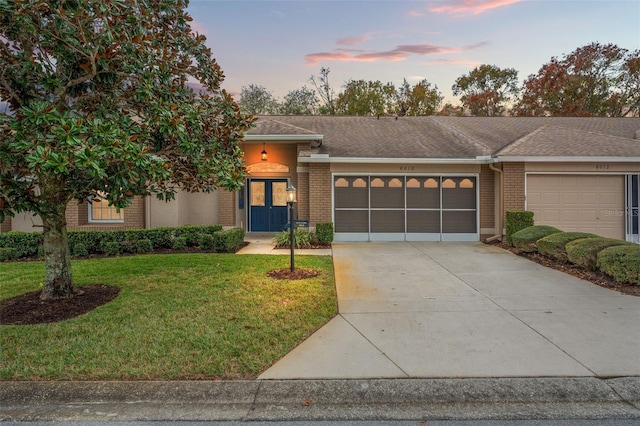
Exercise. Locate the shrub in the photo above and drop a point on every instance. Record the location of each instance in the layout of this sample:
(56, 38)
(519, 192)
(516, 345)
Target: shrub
(584, 252)
(525, 239)
(8, 253)
(111, 248)
(144, 246)
(205, 241)
(324, 232)
(191, 232)
(160, 237)
(516, 221)
(301, 237)
(621, 262)
(79, 249)
(228, 241)
(26, 244)
(554, 245)
(179, 243)
(90, 239)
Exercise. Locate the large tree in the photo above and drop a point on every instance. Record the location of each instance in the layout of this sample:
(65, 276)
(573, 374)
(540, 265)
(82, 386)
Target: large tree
(100, 106)
(256, 99)
(487, 90)
(594, 80)
(361, 97)
(420, 99)
(301, 101)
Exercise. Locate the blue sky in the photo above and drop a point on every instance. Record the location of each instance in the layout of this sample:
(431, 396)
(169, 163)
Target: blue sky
(280, 44)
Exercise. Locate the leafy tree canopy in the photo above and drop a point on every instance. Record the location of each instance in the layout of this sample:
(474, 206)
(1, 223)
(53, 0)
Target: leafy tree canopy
(487, 89)
(594, 80)
(100, 104)
(420, 99)
(256, 99)
(301, 101)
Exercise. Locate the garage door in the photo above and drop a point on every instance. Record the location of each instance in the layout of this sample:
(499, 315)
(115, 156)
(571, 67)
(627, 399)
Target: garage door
(405, 208)
(587, 203)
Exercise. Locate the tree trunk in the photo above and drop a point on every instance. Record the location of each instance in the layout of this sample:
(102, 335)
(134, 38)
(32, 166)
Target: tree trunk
(58, 282)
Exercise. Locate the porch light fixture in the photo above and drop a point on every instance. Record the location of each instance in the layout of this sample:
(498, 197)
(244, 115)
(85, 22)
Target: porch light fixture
(263, 154)
(291, 200)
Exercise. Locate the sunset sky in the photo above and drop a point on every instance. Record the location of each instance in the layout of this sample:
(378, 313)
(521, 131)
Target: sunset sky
(280, 44)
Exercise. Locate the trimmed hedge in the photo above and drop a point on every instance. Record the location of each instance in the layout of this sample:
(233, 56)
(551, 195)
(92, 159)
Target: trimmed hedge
(26, 244)
(525, 239)
(228, 241)
(324, 232)
(517, 221)
(584, 252)
(554, 245)
(621, 262)
(84, 243)
(8, 253)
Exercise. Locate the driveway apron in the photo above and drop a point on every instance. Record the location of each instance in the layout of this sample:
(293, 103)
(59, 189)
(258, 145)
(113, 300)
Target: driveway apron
(436, 310)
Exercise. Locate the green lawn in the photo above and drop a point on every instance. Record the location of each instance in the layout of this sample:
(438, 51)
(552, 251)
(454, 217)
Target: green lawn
(182, 316)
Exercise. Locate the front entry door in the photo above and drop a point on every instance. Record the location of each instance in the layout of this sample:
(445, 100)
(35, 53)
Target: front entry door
(267, 205)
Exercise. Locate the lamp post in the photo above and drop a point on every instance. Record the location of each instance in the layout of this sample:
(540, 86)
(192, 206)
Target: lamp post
(291, 199)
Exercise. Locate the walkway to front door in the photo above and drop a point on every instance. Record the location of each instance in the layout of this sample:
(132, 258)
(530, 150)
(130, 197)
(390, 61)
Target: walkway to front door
(267, 205)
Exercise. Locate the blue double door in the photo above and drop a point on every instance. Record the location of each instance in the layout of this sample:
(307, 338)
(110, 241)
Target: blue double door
(267, 205)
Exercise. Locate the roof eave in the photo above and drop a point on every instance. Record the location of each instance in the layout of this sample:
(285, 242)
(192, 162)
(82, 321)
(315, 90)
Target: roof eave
(564, 159)
(324, 158)
(288, 138)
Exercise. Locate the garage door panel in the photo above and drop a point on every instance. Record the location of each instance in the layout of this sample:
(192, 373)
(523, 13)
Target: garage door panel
(412, 208)
(577, 202)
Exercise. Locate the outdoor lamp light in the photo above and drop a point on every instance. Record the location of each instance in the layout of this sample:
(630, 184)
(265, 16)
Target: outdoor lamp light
(291, 199)
(291, 194)
(263, 154)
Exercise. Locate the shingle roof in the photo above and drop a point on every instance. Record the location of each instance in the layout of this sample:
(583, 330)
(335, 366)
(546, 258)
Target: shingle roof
(554, 141)
(460, 137)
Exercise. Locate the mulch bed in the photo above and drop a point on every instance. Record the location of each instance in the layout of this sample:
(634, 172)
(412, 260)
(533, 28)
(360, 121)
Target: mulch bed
(595, 277)
(296, 274)
(29, 309)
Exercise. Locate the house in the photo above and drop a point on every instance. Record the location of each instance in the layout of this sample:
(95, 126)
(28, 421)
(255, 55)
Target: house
(414, 178)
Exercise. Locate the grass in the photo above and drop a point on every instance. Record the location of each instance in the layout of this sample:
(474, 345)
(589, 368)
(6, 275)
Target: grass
(182, 316)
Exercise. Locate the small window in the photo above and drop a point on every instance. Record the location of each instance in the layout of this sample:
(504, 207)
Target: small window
(413, 183)
(395, 183)
(101, 211)
(359, 183)
(377, 183)
(431, 183)
(466, 183)
(448, 183)
(342, 183)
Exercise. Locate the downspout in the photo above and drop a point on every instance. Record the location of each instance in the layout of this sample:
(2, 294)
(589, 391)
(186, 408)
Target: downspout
(500, 202)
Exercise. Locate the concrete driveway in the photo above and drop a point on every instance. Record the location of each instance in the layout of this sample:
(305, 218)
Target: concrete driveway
(431, 310)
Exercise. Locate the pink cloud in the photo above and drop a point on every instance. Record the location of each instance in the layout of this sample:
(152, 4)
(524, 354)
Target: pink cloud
(350, 41)
(470, 7)
(400, 53)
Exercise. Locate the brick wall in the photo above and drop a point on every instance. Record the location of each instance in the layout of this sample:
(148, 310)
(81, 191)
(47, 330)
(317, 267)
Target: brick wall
(302, 207)
(78, 217)
(5, 226)
(227, 206)
(513, 186)
(319, 193)
(487, 197)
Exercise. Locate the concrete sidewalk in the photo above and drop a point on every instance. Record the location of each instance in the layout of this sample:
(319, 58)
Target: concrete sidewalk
(260, 243)
(446, 310)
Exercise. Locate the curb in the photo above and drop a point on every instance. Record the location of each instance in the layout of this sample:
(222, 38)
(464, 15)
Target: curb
(378, 399)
